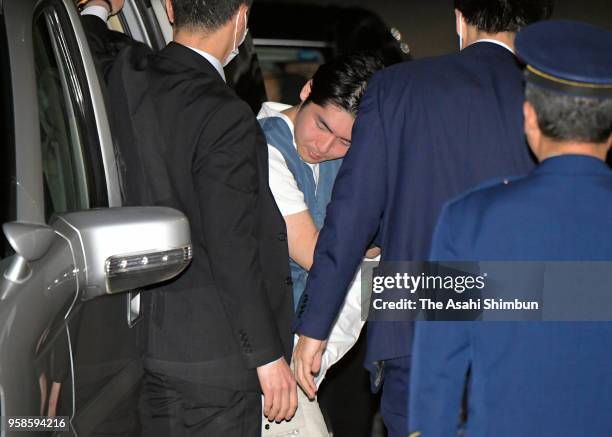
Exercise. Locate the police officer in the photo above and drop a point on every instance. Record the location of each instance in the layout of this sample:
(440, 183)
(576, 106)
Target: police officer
(532, 379)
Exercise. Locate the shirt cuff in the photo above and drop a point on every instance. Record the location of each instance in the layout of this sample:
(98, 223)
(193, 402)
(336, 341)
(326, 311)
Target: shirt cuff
(98, 11)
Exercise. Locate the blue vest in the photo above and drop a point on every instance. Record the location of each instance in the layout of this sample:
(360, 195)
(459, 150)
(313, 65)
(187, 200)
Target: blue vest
(317, 196)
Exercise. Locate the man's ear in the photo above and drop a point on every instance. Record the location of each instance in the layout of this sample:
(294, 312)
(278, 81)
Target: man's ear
(531, 118)
(170, 11)
(458, 19)
(532, 128)
(244, 11)
(306, 89)
(608, 147)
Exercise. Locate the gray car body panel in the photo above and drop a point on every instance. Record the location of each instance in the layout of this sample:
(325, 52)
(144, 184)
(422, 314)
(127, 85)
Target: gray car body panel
(31, 318)
(39, 316)
(30, 199)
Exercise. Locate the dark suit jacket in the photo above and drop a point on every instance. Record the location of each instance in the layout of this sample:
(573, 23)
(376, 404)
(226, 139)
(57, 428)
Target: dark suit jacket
(105, 44)
(527, 378)
(190, 143)
(425, 131)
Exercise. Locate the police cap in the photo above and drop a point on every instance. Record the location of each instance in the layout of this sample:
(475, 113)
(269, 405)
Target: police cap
(569, 57)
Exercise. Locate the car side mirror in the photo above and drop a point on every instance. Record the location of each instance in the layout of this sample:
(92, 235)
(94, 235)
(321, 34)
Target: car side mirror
(126, 248)
(30, 241)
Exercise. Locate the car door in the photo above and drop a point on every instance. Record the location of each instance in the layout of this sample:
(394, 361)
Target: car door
(38, 290)
(60, 355)
(103, 332)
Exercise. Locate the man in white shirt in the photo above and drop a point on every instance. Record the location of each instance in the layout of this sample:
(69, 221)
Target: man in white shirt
(306, 144)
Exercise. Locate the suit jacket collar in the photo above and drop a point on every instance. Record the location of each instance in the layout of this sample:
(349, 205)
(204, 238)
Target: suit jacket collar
(496, 42)
(189, 58)
(574, 165)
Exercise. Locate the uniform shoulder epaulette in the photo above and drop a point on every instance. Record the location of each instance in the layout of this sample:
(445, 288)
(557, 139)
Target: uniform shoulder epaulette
(489, 183)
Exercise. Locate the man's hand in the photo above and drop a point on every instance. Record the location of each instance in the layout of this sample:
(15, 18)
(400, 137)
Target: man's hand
(307, 362)
(372, 252)
(117, 5)
(279, 389)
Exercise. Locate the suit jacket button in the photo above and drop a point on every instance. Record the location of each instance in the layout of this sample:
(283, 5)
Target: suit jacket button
(288, 280)
(282, 236)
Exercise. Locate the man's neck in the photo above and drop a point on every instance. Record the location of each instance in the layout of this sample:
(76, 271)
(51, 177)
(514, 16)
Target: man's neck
(550, 149)
(474, 35)
(213, 43)
(291, 113)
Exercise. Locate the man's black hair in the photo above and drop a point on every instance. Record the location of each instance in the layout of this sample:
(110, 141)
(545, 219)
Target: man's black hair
(495, 16)
(343, 80)
(567, 118)
(207, 15)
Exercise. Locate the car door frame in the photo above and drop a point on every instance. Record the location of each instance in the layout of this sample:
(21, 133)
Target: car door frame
(19, 17)
(19, 21)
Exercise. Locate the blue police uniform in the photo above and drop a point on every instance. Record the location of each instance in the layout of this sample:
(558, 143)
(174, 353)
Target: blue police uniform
(527, 378)
(425, 131)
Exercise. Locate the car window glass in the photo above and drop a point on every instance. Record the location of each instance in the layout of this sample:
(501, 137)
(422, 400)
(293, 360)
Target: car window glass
(287, 68)
(116, 23)
(64, 172)
(159, 11)
(7, 145)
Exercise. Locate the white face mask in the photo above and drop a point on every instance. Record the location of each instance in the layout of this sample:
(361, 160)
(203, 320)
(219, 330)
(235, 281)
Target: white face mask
(460, 33)
(235, 50)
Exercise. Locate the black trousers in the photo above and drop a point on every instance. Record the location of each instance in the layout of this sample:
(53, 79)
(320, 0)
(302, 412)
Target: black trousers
(172, 407)
(345, 396)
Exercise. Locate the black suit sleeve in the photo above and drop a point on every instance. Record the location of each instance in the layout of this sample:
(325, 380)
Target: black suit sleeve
(228, 184)
(106, 44)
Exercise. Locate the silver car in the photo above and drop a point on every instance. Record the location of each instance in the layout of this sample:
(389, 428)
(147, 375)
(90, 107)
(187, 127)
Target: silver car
(73, 262)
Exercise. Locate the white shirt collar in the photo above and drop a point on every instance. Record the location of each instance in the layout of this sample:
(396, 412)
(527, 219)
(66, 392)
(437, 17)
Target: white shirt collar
(98, 11)
(274, 109)
(494, 41)
(214, 61)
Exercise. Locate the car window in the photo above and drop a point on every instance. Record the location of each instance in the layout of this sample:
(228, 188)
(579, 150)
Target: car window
(72, 175)
(286, 67)
(117, 23)
(137, 19)
(7, 145)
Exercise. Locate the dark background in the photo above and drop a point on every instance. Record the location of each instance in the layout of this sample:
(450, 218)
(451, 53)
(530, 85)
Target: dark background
(428, 26)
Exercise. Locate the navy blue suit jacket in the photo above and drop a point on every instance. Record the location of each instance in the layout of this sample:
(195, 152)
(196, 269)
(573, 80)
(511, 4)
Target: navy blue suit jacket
(425, 131)
(527, 378)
